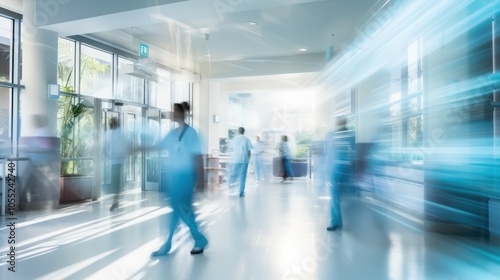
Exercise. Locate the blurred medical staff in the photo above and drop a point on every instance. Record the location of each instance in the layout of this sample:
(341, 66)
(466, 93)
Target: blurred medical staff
(185, 171)
(241, 155)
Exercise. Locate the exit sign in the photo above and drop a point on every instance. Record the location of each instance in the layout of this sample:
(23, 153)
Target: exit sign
(143, 50)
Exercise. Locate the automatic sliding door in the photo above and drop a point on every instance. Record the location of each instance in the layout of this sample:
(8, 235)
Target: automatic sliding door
(152, 155)
(106, 175)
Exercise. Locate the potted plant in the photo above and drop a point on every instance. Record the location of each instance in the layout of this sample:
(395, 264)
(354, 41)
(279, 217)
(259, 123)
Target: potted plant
(76, 128)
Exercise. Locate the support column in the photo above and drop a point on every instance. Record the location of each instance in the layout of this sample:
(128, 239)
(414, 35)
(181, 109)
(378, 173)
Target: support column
(213, 109)
(203, 114)
(38, 115)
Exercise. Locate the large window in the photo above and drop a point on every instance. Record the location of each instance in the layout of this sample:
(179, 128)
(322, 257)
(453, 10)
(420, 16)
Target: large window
(406, 106)
(129, 87)
(160, 92)
(66, 65)
(10, 65)
(6, 36)
(95, 72)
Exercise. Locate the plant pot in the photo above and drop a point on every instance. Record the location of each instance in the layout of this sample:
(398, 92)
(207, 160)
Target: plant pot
(76, 188)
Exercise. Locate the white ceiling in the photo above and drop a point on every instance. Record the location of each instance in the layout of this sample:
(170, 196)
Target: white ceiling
(283, 26)
(175, 29)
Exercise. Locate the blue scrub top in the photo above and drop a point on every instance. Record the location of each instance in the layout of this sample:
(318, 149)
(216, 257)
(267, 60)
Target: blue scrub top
(182, 151)
(284, 150)
(241, 146)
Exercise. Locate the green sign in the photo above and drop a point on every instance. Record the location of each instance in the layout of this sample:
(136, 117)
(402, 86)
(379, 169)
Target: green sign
(144, 50)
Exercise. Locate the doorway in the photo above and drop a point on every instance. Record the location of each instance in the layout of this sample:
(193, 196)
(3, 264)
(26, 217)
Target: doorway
(152, 156)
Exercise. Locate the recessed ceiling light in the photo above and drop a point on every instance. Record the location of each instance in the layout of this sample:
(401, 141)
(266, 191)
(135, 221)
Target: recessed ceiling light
(303, 50)
(251, 23)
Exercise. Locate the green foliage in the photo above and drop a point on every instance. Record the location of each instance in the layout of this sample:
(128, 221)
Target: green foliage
(75, 127)
(90, 70)
(65, 65)
(301, 151)
(303, 141)
(68, 89)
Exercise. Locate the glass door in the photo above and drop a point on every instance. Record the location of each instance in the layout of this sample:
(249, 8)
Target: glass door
(106, 174)
(152, 139)
(132, 118)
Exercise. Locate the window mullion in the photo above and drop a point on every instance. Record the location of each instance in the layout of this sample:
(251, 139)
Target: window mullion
(76, 68)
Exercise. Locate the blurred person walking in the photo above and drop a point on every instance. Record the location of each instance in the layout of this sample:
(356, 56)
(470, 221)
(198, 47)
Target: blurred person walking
(286, 155)
(258, 160)
(241, 156)
(42, 153)
(185, 165)
(116, 151)
(339, 147)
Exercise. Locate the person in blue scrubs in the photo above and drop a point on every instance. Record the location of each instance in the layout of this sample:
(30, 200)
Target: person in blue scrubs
(286, 156)
(258, 160)
(241, 155)
(116, 151)
(339, 148)
(185, 171)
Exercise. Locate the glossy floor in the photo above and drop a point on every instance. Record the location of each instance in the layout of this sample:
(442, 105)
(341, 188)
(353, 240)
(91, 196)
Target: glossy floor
(277, 231)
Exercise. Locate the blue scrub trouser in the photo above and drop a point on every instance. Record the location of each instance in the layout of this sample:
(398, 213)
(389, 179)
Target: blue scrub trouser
(239, 171)
(287, 168)
(181, 198)
(335, 211)
(258, 169)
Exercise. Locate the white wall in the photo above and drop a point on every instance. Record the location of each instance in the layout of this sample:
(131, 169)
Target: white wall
(214, 97)
(13, 5)
(202, 113)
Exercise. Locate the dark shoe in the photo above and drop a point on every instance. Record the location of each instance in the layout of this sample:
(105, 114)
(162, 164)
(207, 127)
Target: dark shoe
(199, 246)
(242, 194)
(333, 227)
(163, 251)
(114, 206)
(197, 250)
